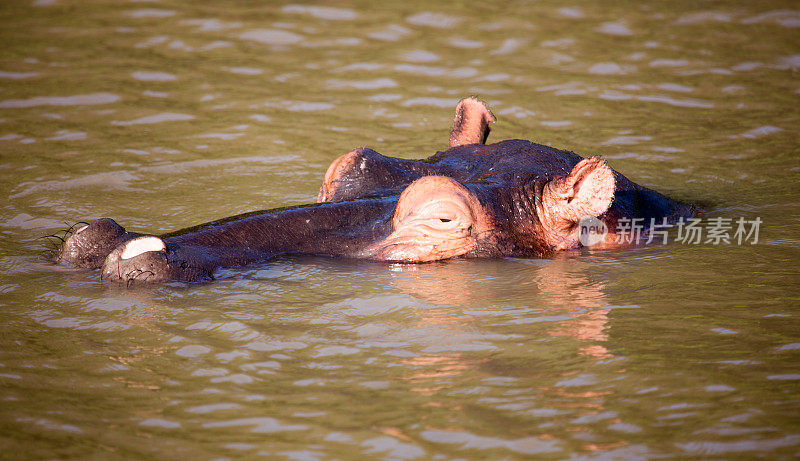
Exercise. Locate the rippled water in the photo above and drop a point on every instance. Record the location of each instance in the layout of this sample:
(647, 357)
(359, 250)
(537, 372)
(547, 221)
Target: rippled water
(164, 114)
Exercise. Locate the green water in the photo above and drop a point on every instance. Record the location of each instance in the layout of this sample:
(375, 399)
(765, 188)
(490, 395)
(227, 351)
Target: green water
(165, 114)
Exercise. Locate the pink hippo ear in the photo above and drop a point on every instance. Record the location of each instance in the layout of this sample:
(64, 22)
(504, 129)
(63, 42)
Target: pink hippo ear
(471, 123)
(587, 190)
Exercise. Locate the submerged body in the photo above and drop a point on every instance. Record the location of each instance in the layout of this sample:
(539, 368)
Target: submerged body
(512, 198)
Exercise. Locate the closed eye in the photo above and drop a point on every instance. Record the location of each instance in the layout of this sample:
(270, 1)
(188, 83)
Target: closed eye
(445, 220)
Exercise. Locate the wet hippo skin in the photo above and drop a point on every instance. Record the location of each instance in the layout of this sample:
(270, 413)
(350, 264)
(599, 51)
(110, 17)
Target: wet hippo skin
(513, 198)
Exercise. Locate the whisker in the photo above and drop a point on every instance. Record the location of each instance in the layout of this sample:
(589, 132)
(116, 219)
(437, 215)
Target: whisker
(51, 236)
(55, 245)
(49, 254)
(131, 277)
(139, 273)
(71, 228)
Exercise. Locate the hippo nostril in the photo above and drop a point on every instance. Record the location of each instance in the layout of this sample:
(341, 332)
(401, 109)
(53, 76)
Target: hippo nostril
(445, 220)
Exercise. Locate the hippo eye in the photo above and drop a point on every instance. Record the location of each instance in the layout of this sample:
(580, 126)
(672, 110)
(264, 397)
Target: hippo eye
(441, 212)
(434, 219)
(436, 207)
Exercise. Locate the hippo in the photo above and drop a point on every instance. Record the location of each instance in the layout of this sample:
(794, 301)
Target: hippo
(513, 198)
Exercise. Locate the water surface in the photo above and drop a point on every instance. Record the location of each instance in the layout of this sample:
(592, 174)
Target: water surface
(165, 114)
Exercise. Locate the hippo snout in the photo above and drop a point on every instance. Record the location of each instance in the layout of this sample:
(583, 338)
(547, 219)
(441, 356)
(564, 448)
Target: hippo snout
(150, 259)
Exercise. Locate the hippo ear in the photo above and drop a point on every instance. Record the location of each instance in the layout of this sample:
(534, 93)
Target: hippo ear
(471, 123)
(587, 190)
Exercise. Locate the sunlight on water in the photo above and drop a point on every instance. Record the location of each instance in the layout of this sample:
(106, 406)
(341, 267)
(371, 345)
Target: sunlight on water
(78, 100)
(167, 114)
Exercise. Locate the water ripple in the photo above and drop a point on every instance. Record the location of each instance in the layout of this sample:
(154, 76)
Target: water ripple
(260, 425)
(77, 100)
(437, 20)
(758, 132)
(703, 16)
(785, 18)
(619, 28)
(428, 101)
(739, 447)
(374, 84)
(271, 37)
(210, 25)
(151, 13)
(391, 33)
(466, 440)
(17, 75)
(436, 71)
(420, 56)
(322, 12)
(509, 46)
(146, 76)
(157, 118)
(571, 12)
(696, 103)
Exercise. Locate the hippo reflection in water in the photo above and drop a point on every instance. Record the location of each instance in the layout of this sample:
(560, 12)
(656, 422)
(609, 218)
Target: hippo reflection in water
(513, 198)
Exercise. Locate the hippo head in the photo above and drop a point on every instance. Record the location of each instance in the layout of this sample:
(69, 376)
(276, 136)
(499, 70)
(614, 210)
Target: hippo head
(434, 218)
(437, 217)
